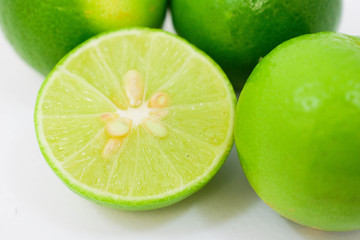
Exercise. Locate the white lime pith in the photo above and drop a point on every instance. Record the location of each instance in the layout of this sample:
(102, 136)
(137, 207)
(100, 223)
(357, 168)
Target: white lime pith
(135, 119)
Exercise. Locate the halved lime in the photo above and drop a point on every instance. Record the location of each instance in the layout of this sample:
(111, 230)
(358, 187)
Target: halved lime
(135, 119)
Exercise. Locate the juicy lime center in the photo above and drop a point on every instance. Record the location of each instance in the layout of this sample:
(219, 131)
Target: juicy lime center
(148, 113)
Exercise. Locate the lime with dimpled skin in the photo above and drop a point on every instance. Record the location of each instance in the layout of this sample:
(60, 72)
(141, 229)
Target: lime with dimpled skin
(43, 31)
(298, 130)
(237, 33)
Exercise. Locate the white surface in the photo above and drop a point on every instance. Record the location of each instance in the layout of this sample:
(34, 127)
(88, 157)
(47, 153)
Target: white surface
(34, 204)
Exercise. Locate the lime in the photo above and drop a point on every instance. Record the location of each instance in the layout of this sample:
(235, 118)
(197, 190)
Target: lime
(297, 130)
(135, 119)
(237, 33)
(43, 31)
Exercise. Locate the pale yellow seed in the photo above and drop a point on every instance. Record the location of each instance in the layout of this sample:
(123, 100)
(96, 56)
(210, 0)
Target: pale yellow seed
(155, 128)
(134, 88)
(111, 146)
(159, 100)
(118, 127)
(108, 116)
(159, 113)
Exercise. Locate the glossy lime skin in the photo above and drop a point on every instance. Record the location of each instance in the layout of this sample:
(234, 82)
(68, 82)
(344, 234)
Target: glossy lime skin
(297, 130)
(237, 33)
(43, 31)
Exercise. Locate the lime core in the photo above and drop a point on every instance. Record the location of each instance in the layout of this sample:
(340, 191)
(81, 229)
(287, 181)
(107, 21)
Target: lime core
(118, 125)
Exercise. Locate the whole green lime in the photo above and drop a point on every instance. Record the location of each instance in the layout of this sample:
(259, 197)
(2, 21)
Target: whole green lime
(237, 33)
(298, 130)
(43, 31)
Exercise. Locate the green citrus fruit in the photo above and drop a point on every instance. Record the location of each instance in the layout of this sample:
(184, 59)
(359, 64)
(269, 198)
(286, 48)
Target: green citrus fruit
(237, 33)
(43, 31)
(297, 130)
(135, 119)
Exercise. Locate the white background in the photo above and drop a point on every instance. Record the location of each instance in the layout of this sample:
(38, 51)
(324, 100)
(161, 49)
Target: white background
(34, 204)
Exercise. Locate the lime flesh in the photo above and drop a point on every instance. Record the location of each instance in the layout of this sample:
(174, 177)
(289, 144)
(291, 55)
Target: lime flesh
(135, 119)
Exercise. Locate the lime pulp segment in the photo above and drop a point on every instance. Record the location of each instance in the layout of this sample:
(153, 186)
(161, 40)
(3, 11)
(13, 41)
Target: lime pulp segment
(135, 119)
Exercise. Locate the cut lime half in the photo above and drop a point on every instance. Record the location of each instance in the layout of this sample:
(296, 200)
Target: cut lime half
(135, 119)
